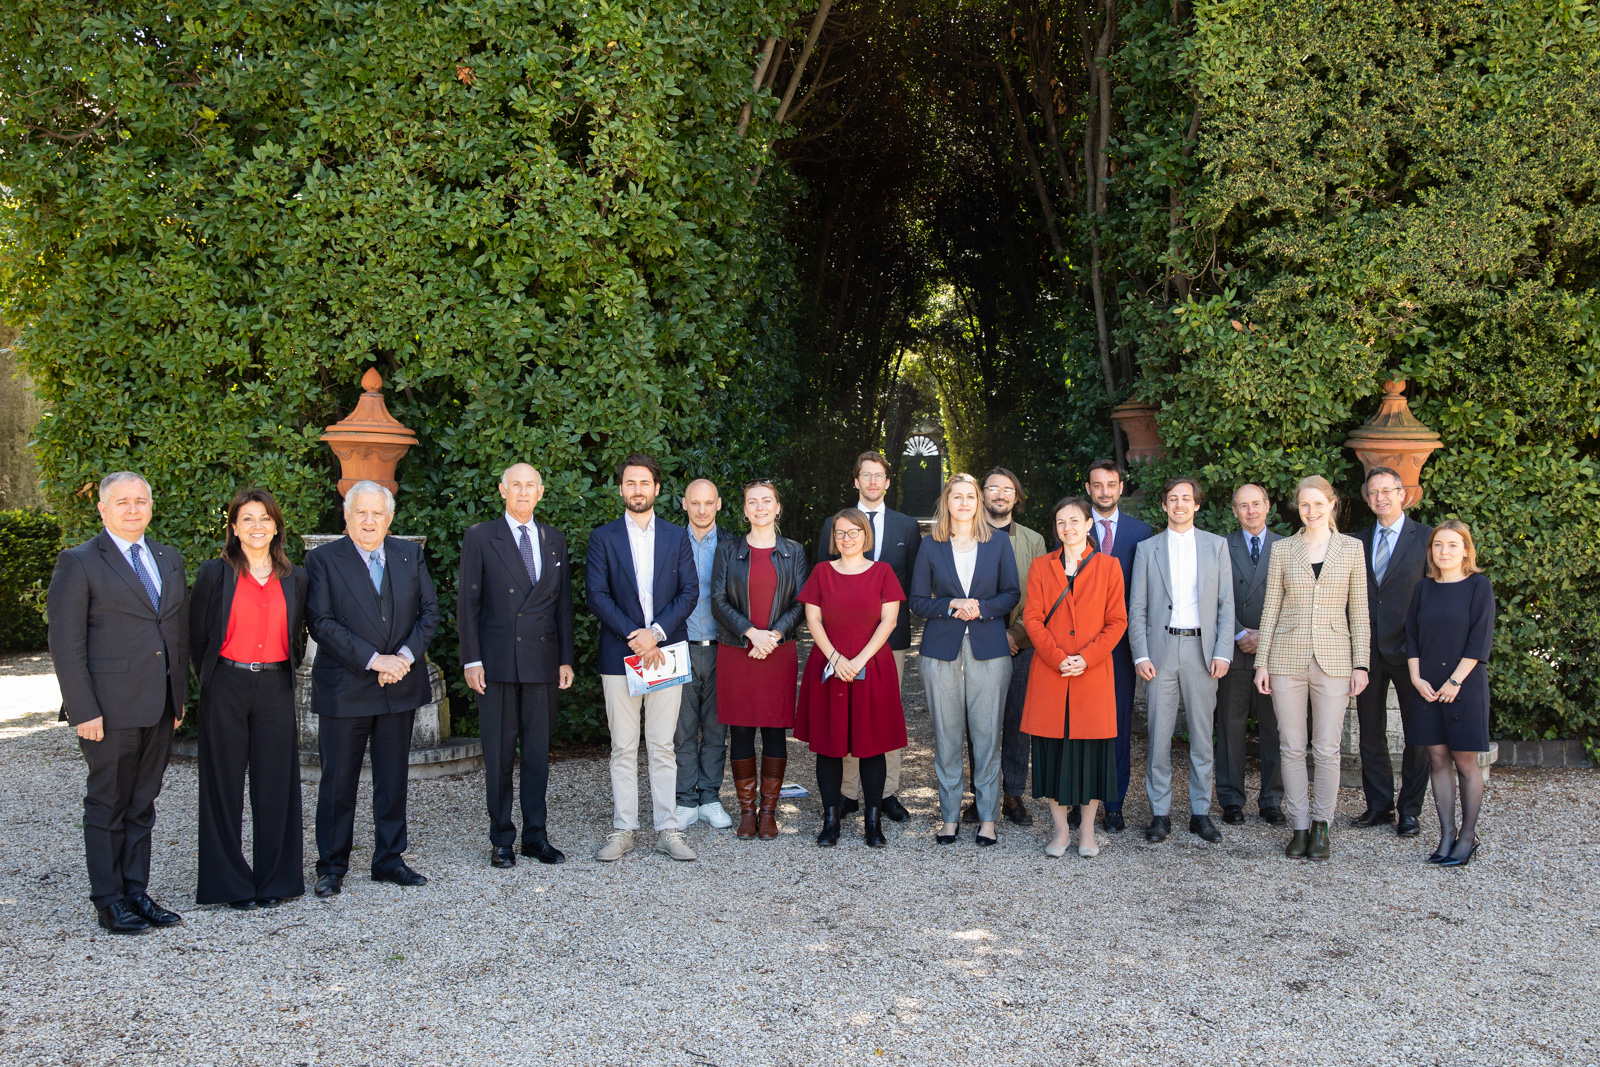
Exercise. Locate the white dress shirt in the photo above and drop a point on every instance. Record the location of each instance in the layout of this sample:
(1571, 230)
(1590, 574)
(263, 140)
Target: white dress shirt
(642, 543)
(147, 559)
(1185, 570)
(874, 516)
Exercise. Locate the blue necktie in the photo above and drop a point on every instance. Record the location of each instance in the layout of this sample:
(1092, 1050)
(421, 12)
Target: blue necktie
(375, 568)
(1255, 549)
(145, 579)
(525, 546)
(1380, 558)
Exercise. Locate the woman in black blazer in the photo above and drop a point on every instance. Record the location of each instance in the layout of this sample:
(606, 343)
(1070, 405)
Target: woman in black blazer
(965, 585)
(246, 633)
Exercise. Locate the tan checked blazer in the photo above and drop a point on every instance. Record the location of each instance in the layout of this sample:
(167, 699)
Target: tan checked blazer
(1305, 615)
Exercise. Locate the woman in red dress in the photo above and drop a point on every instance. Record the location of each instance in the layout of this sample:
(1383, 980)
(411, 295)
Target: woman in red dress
(852, 606)
(754, 583)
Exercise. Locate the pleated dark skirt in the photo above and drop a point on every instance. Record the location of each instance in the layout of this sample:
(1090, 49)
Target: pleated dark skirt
(1074, 772)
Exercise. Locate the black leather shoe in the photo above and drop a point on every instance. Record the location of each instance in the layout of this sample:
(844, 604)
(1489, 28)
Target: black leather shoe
(893, 809)
(330, 885)
(502, 856)
(400, 875)
(1232, 814)
(243, 905)
(118, 918)
(151, 912)
(828, 836)
(1374, 818)
(1013, 808)
(268, 902)
(538, 847)
(1160, 826)
(1408, 826)
(1206, 830)
(1115, 823)
(970, 812)
(872, 829)
(1273, 815)
(849, 807)
(1074, 816)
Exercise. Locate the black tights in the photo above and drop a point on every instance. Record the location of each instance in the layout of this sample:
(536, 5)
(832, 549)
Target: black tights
(1451, 769)
(742, 742)
(830, 779)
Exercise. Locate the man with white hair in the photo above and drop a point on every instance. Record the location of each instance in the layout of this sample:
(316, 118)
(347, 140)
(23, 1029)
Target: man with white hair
(370, 605)
(119, 638)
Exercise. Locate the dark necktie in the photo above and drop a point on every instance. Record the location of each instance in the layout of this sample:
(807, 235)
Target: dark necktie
(1255, 548)
(144, 578)
(525, 546)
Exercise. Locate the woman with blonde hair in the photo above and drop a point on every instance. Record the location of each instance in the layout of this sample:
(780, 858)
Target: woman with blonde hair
(965, 585)
(1313, 648)
(1449, 631)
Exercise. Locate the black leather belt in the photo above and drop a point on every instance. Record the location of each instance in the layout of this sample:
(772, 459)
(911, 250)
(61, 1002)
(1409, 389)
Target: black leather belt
(703, 644)
(1175, 632)
(255, 668)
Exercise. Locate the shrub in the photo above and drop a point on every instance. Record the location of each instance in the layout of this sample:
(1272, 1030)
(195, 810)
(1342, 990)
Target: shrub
(29, 541)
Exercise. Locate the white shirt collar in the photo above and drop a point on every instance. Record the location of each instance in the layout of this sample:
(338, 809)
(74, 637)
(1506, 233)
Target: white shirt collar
(1187, 535)
(861, 505)
(516, 527)
(123, 546)
(634, 529)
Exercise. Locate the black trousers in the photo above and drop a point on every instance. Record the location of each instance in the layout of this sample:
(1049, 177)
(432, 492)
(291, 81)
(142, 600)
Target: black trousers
(1372, 715)
(508, 711)
(119, 806)
(1237, 700)
(1122, 675)
(830, 779)
(342, 743)
(247, 723)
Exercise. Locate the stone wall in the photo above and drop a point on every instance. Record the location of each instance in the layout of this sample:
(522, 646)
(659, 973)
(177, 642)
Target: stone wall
(19, 483)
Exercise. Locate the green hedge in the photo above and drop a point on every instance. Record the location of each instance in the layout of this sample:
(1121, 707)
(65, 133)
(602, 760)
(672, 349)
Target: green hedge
(29, 541)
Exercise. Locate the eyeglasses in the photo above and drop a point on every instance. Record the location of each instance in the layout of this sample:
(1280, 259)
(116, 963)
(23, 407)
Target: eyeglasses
(870, 478)
(844, 534)
(1000, 490)
(1386, 492)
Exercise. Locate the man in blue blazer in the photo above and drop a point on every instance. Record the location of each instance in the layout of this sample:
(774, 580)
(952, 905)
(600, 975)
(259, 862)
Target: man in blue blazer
(1118, 536)
(371, 607)
(642, 586)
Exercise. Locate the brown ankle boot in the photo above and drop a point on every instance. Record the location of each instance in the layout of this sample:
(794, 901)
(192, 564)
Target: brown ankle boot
(771, 784)
(744, 787)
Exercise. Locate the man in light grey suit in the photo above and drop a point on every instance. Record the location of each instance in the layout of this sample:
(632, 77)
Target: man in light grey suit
(1249, 550)
(1180, 627)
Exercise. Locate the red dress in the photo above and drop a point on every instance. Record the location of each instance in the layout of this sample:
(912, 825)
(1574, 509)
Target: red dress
(864, 717)
(758, 692)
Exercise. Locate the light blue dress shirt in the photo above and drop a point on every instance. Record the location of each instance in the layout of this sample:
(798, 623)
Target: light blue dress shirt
(146, 557)
(702, 624)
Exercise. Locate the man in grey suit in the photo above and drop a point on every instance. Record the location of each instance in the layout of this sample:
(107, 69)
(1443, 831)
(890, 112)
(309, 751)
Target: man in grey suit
(1180, 615)
(119, 637)
(1249, 550)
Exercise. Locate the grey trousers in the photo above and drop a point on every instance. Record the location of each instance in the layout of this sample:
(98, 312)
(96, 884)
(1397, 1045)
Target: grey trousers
(1186, 673)
(701, 741)
(1237, 700)
(966, 697)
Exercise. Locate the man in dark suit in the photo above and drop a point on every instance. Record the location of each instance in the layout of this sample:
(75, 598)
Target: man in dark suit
(371, 607)
(895, 541)
(1250, 550)
(119, 637)
(1119, 536)
(514, 618)
(642, 586)
(1397, 553)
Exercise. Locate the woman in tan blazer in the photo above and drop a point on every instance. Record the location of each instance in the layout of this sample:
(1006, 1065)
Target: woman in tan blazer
(1313, 646)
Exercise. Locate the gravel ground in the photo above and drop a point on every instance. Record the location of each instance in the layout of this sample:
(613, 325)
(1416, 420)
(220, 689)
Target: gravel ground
(782, 953)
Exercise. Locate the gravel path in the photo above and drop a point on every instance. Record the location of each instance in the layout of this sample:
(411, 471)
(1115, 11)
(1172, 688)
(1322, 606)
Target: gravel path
(782, 953)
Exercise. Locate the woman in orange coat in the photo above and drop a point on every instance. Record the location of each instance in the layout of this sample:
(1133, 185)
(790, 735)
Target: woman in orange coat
(1075, 616)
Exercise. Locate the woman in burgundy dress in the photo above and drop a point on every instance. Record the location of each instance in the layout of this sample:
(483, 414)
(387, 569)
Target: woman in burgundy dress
(852, 606)
(754, 583)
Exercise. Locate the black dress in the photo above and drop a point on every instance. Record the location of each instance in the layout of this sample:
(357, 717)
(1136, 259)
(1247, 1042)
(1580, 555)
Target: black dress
(1449, 622)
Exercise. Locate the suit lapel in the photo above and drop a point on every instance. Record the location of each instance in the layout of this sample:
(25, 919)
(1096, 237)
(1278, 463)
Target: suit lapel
(1158, 545)
(119, 563)
(661, 559)
(354, 572)
(1409, 540)
(171, 576)
(505, 546)
(230, 585)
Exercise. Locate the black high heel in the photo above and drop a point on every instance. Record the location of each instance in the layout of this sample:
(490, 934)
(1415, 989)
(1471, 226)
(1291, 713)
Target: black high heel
(1451, 861)
(1441, 853)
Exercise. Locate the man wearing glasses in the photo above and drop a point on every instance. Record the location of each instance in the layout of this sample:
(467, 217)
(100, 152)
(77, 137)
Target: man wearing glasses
(895, 540)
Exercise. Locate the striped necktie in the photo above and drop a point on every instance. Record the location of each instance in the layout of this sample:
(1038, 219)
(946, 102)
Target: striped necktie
(1380, 558)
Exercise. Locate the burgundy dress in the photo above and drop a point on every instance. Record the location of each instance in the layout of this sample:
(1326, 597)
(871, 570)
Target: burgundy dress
(757, 692)
(864, 717)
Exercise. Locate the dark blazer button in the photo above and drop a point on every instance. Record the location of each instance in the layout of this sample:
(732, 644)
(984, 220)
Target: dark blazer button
(1072, 633)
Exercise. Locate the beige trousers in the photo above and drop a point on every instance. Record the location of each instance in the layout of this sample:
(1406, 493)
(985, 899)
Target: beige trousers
(660, 713)
(1329, 698)
(852, 766)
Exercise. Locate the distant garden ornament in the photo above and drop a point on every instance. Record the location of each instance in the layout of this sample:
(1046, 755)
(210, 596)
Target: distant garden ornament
(369, 441)
(1395, 438)
(1138, 423)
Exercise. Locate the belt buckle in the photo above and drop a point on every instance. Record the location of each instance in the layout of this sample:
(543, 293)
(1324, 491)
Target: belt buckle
(255, 667)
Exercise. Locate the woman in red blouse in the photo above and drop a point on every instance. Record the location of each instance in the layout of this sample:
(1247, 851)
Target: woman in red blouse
(246, 631)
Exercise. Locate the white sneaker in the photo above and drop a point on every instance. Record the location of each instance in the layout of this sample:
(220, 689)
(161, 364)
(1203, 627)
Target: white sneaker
(618, 844)
(714, 816)
(686, 817)
(674, 844)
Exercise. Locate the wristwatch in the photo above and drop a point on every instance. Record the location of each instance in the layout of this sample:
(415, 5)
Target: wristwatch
(1454, 683)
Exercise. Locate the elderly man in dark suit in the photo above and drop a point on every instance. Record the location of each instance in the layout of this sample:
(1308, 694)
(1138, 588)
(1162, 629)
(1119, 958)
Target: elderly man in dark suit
(514, 616)
(1249, 550)
(370, 605)
(1397, 554)
(119, 637)
(896, 539)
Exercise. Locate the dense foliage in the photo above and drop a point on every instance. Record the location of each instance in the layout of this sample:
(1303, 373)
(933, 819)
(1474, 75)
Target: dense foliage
(29, 541)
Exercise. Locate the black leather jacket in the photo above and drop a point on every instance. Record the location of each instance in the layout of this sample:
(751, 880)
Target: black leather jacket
(730, 589)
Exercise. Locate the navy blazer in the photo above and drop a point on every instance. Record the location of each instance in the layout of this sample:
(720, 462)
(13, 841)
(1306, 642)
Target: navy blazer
(935, 583)
(1389, 604)
(519, 630)
(613, 588)
(211, 609)
(342, 612)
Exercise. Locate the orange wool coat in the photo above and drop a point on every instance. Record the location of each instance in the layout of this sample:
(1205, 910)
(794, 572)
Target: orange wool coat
(1089, 623)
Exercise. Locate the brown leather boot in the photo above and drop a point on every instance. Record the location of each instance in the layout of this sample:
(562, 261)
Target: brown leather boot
(771, 784)
(744, 787)
(1013, 808)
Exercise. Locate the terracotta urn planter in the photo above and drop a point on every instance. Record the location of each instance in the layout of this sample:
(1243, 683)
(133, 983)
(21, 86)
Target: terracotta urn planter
(369, 441)
(1395, 438)
(1138, 423)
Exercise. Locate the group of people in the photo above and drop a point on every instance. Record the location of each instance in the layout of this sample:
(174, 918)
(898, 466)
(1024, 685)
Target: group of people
(1028, 656)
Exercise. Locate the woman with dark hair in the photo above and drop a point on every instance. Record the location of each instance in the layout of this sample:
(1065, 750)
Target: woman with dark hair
(246, 630)
(1449, 632)
(755, 583)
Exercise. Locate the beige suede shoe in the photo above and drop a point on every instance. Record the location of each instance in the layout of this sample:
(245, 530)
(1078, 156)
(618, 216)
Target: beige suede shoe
(674, 844)
(618, 844)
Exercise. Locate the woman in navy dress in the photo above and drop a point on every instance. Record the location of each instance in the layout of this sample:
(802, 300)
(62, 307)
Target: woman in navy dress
(1449, 630)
